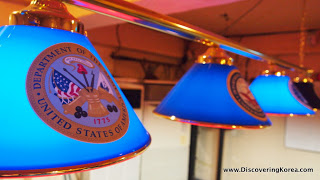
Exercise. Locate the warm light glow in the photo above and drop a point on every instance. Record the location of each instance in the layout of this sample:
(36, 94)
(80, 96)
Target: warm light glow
(291, 115)
(234, 126)
(266, 73)
(305, 80)
(210, 43)
(223, 61)
(172, 118)
(315, 109)
(278, 73)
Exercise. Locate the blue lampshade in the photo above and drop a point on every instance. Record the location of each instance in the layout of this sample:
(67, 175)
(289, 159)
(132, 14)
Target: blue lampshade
(277, 95)
(306, 87)
(213, 95)
(41, 132)
(61, 109)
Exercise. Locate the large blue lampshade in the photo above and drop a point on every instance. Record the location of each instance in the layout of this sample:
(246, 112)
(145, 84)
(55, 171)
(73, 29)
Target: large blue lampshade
(213, 95)
(277, 95)
(61, 109)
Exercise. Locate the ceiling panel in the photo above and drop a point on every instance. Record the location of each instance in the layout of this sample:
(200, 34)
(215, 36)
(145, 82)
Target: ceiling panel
(268, 16)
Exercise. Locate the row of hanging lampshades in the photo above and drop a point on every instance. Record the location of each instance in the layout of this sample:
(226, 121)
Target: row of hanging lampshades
(65, 113)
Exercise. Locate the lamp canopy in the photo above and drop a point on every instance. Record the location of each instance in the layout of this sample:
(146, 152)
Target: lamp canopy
(277, 95)
(62, 110)
(214, 95)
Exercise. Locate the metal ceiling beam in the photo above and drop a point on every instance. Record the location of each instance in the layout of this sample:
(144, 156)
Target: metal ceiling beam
(144, 17)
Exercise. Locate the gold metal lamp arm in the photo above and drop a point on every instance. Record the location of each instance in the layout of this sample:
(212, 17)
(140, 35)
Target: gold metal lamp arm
(143, 17)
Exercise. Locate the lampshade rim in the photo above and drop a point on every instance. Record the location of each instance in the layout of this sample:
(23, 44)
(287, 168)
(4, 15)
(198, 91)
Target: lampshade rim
(290, 115)
(72, 169)
(213, 125)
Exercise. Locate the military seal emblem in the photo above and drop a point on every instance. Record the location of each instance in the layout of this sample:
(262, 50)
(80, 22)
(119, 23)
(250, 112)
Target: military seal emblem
(71, 91)
(240, 93)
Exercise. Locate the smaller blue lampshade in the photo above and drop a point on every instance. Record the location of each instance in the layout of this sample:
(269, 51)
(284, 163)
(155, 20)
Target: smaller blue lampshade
(213, 95)
(277, 95)
(307, 90)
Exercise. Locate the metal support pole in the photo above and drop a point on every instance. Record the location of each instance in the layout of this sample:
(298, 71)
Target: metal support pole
(143, 17)
(220, 153)
(192, 153)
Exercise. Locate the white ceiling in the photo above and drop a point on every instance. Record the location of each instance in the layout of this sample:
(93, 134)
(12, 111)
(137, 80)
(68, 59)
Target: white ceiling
(93, 20)
(263, 16)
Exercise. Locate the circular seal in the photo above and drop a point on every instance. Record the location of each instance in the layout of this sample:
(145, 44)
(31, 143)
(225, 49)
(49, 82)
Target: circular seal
(241, 94)
(71, 92)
